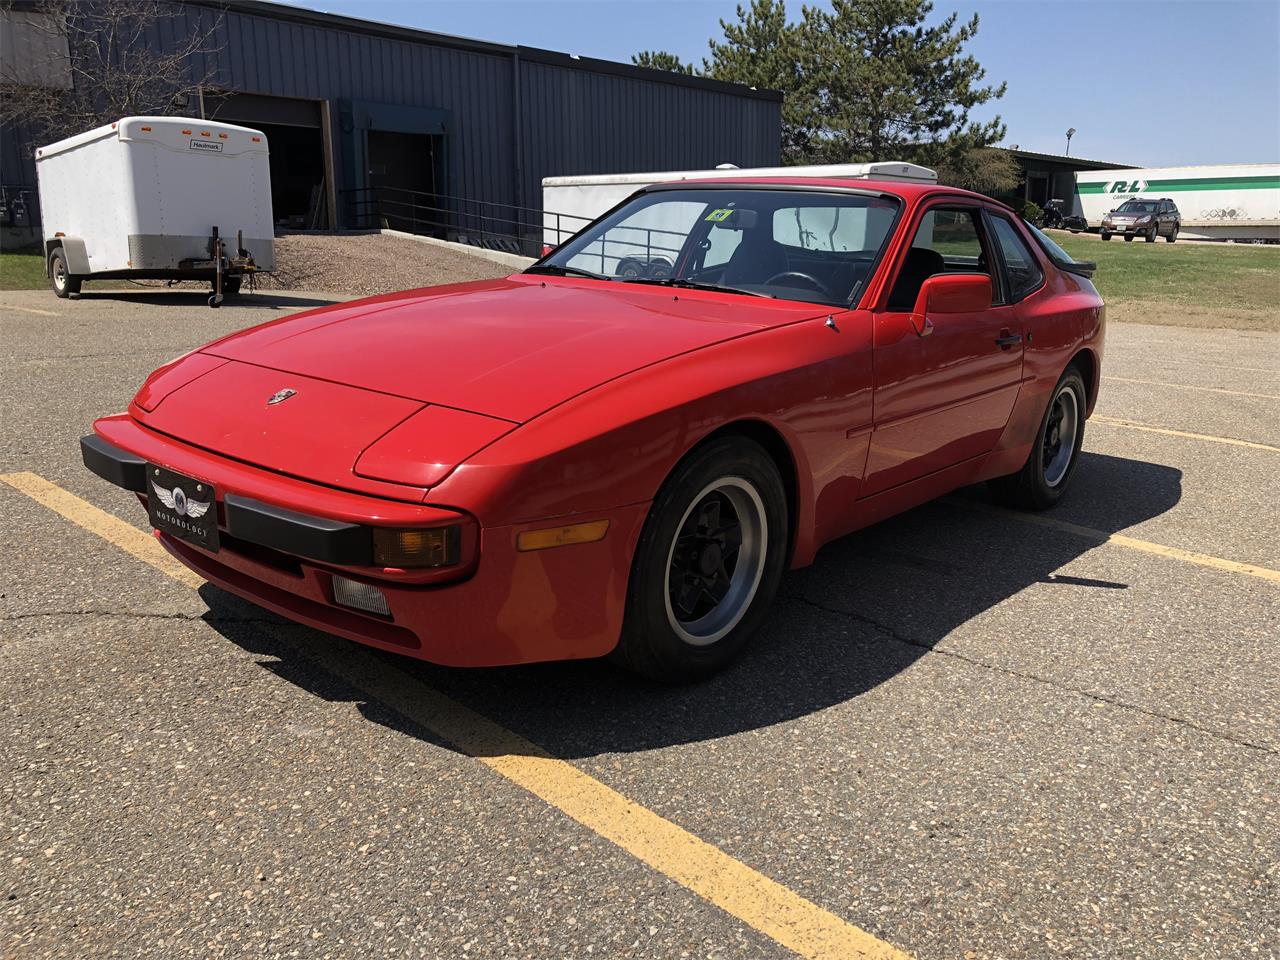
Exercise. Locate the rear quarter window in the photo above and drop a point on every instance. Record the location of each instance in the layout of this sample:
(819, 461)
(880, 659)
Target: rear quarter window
(1021, 265)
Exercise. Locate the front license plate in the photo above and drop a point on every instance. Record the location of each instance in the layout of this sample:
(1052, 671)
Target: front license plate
(182, 507)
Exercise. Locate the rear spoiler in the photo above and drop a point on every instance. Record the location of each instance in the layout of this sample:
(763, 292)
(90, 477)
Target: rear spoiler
(1081, 268)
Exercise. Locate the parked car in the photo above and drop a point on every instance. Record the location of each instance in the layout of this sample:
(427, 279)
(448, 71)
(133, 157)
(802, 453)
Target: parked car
(566, 463)
(1143, 218)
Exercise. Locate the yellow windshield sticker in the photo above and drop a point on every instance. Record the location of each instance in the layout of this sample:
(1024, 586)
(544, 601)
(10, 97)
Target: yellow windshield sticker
(718, 216)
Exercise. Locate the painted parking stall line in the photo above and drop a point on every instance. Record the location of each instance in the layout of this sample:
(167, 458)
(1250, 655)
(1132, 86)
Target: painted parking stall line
(1191, 386)
(741, 891)
(1120, 540)
(31, 310)
(1184, 434)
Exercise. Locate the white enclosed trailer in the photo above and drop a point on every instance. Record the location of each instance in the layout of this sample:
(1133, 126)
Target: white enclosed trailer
(570, 203)
(1238, 201)
(157, 198)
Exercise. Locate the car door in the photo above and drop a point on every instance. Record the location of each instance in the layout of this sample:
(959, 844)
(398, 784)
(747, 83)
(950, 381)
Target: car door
(943, 397)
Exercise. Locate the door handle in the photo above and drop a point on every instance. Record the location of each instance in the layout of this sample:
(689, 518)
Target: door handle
(1007, 339)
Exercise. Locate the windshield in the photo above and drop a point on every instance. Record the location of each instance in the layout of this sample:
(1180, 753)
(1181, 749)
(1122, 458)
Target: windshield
(790, 244)
(1137, 206)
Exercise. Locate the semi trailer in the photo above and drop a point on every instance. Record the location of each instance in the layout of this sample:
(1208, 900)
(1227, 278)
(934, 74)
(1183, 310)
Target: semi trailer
(1239, 202)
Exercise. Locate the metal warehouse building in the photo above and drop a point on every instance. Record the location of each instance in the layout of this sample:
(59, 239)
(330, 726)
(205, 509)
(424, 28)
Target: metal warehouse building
(423, 128)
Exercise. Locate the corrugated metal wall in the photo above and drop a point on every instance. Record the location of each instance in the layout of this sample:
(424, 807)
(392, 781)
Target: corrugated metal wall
(575, 116)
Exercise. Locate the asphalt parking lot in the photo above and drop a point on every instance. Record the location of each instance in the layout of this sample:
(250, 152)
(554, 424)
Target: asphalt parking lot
(962, 734)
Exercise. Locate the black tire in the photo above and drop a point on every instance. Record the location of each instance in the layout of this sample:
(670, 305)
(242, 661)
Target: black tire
(656, 640)
(1128, 238)
(1035, 486)
(1105, 235)
(63, 283)
(1173, 234)
(630, 269)
(230, 286)
(1152, 233)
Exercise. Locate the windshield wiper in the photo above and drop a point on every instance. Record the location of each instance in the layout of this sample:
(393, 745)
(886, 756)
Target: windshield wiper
(558, 271)
(696, 285)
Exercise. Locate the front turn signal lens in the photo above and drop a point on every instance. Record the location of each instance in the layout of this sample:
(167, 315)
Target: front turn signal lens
(424, 547)
(562, 536)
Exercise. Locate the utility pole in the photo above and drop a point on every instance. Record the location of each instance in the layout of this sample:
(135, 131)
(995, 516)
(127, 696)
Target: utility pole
(1071, 132)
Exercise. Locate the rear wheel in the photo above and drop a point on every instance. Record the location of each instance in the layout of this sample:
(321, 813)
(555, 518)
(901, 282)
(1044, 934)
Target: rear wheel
(63, 283)
(1044, 477)
(708, 563)
(1128, 238)
(1105, 235)
(1173, 234)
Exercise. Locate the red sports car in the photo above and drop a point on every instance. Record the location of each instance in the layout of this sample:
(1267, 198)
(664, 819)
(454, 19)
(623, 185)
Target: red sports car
(621, 449)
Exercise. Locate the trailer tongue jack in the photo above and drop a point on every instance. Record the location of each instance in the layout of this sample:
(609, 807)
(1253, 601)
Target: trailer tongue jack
(235, 268)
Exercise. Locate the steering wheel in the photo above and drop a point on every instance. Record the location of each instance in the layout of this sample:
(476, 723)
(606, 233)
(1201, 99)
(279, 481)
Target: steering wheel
(812, 281)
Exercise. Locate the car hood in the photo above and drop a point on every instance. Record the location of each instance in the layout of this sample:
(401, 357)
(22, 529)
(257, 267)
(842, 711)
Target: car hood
(395, 392)
(508, 348)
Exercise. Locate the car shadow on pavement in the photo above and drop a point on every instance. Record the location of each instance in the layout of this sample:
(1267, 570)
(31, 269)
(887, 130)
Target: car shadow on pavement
(193, 297)
(871, 605)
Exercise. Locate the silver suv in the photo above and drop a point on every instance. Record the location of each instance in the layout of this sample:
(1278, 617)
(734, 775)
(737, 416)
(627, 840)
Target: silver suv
(1143, 218)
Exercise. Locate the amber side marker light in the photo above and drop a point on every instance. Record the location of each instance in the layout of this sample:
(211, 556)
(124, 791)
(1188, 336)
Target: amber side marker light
(562, 536)
(428, 547)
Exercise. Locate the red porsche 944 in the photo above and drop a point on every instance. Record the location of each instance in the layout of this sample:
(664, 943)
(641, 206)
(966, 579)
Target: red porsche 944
(621, 449)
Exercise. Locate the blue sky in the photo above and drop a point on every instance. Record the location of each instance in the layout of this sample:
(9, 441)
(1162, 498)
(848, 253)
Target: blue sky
(1143, 82)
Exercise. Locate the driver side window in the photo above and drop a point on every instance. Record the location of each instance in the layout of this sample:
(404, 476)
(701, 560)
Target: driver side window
(947, 241)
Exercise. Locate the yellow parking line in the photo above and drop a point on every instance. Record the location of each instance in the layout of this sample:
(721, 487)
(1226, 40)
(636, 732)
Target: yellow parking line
(1132, 425)
(1120, 540)
(764, 904)
(1189, 386)
(112, 529)
(38, 313)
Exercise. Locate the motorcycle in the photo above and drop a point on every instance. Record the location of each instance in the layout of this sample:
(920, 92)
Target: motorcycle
(1055, 219)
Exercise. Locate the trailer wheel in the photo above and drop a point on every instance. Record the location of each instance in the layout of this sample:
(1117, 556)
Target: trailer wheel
(64, 284)
(230, 285)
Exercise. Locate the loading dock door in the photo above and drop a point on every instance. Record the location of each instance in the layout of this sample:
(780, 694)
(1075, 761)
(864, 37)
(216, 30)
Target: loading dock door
(403, 176)
(397, 154)
(296, 140)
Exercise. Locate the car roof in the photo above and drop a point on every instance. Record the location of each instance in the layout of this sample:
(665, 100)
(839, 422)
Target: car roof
(899, 188)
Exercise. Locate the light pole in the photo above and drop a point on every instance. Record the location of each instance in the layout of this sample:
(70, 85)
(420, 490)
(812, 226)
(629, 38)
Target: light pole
(1071, 132)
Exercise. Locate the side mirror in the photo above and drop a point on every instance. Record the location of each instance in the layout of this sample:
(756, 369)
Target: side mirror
(950, 293)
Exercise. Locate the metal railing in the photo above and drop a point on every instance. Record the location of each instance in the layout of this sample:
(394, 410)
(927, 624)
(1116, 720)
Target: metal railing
(480, 223)
(632, 250)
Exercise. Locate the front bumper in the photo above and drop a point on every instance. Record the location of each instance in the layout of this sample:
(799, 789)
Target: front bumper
(246, 519)
(511, 607)
(1123, 228)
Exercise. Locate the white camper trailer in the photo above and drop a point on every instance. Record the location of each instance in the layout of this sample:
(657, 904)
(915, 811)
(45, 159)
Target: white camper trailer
(157, 198)
(1237, 201)
(570, 203)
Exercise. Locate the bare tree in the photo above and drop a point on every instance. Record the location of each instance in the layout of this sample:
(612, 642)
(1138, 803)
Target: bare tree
(71, 65)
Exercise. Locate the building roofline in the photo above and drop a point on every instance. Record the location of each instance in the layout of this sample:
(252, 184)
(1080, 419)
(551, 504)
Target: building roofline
(1080, 162)
(283, 11)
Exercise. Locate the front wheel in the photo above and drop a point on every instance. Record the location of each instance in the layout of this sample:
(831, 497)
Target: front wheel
(708, 563)
(1151, 235)
(1044, 477)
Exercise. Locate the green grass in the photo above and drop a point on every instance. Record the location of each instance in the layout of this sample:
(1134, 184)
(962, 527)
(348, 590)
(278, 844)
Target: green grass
(1202, 275)
(21, 271)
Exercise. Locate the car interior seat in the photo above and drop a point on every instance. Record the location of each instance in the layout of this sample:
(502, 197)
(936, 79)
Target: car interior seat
(757, 258)
(921, 264)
